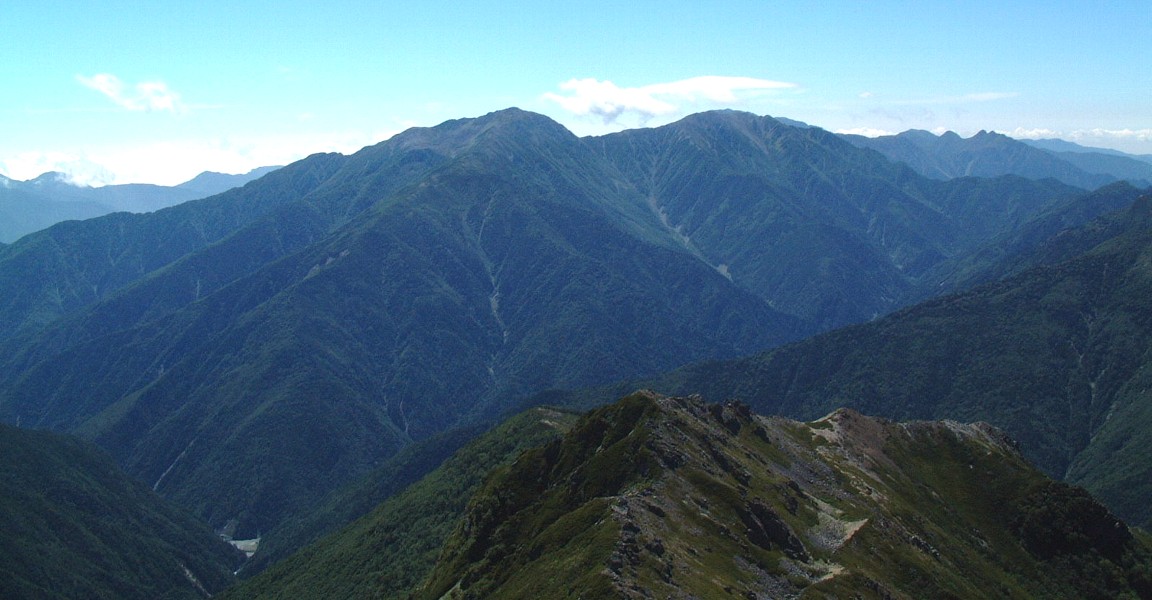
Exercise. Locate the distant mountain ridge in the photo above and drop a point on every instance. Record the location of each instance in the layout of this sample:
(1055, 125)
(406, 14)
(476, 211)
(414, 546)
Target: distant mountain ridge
(28, 206)
(427, 245)
(211, 182)
(990, 154)
(1061, 146)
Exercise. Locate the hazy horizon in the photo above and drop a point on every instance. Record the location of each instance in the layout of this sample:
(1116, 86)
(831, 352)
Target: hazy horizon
(131, 92)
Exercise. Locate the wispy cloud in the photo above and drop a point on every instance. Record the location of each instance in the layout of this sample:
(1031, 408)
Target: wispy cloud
(147, 96)
(1038, 133)
(610, 102)
(961, 99)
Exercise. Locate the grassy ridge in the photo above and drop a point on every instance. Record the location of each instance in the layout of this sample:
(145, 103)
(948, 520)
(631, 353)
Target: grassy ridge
(664, 497)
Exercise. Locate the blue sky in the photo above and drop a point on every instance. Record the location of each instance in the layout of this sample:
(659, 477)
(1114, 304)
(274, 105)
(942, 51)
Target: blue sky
(118, 91)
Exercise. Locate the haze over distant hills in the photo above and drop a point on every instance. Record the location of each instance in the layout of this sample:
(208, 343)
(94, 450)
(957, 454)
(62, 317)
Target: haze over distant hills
(1059, 145)
(989, 154)
(27, 206)
(252, 353)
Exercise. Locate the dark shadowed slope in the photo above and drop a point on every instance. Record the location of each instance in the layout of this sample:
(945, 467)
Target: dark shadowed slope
(72, 525)
(389, 552)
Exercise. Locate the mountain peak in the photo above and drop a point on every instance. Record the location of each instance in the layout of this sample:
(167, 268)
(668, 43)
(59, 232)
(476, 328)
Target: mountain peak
(726, 116)
(985, 135)
(710, 127)
(921, 134)
(51, 178)
(505, 117)
(457, 135)
(513, 113)
(212, 182)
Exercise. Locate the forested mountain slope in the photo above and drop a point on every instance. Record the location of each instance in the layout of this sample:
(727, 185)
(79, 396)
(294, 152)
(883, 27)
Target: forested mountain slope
(73, 525)
(248, 353)
(1058, 356)
(815, 226)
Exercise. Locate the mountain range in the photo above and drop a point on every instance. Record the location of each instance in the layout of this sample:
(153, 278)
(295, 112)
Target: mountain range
(252, 354)
(27, 206)
(990, 154)
(427, 281)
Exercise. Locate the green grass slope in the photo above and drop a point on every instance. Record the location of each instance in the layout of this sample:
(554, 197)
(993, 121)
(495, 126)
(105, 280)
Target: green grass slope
(356, 498)
(669, 497)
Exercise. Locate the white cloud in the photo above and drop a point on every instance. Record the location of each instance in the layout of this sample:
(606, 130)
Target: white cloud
(961, 99)
(1134, 135)
(610, 102)
(147, 96)
(865, 131)
(1038, 133)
